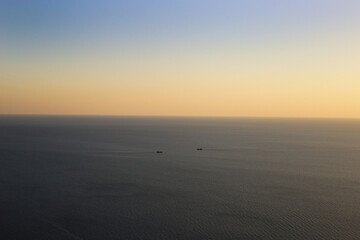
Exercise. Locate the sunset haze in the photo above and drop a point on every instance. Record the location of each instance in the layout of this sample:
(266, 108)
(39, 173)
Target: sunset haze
(181, 58)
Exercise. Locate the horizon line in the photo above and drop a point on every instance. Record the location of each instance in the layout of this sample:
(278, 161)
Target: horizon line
(175, 116)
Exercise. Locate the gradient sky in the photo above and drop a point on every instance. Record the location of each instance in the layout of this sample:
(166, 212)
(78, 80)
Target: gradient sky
(298, 58)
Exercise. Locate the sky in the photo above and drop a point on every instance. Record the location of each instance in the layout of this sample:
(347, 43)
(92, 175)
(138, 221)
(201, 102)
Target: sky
(254, 58)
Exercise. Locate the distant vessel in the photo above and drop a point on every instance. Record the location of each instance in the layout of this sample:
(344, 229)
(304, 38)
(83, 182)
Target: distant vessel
(159, 151)
(199, 149)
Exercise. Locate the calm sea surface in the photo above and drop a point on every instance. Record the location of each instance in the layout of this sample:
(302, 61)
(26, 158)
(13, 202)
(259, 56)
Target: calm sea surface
(101, 178)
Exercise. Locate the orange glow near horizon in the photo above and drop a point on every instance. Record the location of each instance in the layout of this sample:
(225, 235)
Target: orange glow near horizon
(311, 71)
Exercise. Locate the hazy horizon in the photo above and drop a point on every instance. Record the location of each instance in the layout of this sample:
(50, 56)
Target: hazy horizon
(177, 116)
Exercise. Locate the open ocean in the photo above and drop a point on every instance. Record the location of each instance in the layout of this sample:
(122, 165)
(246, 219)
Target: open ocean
(101, 178)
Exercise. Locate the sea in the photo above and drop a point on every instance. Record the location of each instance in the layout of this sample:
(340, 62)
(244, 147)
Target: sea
(100, 177)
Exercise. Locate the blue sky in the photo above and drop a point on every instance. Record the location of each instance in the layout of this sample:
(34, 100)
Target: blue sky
(191, 57)
(55, 21)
